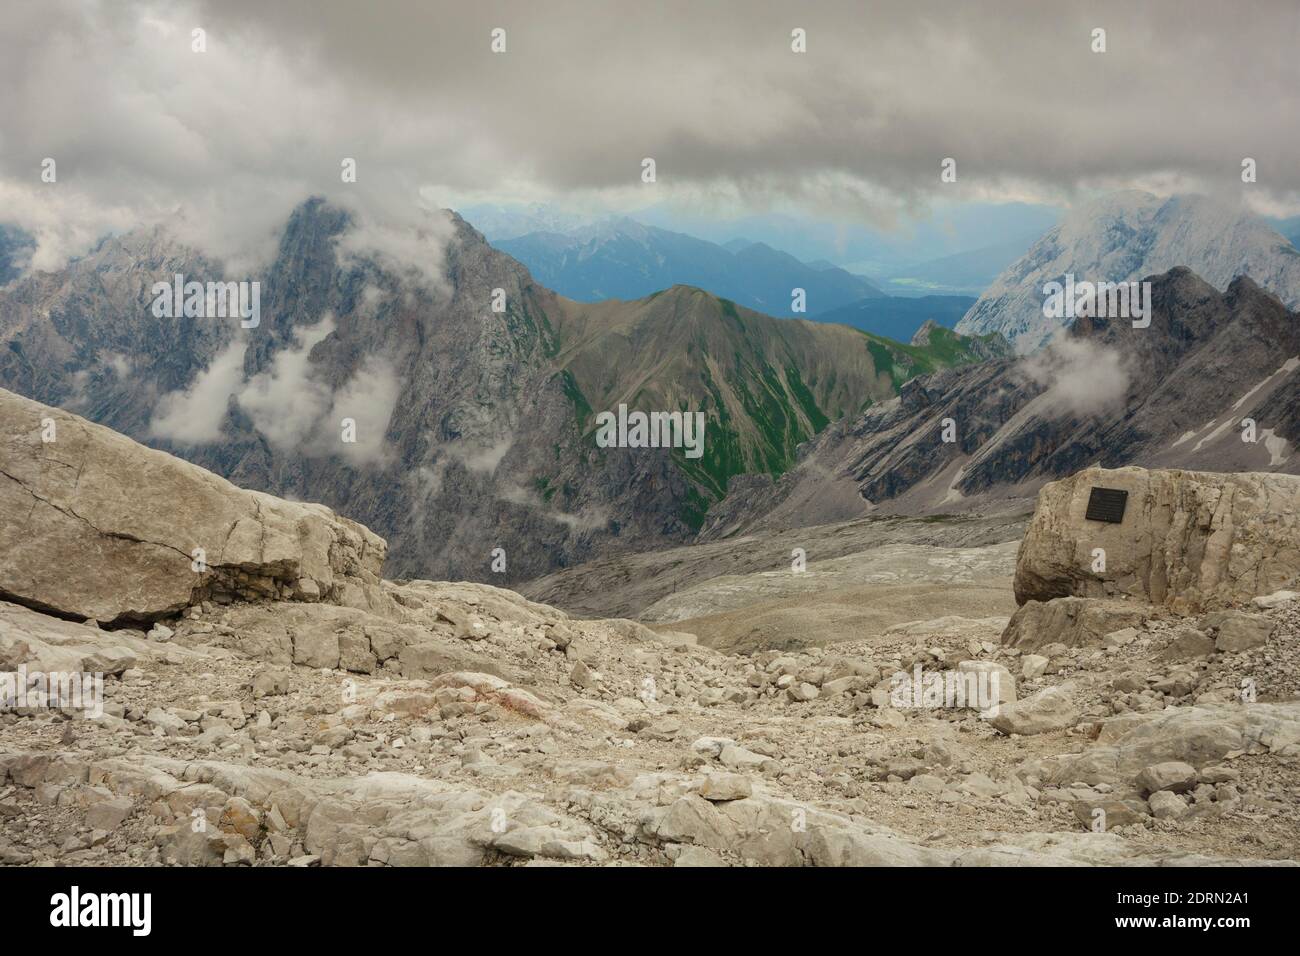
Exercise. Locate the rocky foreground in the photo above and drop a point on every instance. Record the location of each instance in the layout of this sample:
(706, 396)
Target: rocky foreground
(278, 702)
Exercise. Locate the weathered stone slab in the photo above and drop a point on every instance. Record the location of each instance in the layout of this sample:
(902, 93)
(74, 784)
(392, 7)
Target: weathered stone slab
(95, 525)
(1188, 540)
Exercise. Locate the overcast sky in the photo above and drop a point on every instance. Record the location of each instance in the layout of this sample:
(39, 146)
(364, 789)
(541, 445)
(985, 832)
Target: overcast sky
(224, 143)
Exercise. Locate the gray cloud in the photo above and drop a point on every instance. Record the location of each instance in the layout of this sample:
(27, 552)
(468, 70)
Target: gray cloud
(193, 416)
(368, 399)
(292, 408)
(284, 401)
(480, 457)
(223, 143)
(1082, 378)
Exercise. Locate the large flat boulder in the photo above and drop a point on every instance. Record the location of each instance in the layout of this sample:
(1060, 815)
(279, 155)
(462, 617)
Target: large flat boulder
(1071, 621)
(1198, 736)
(50, 645)
(95, 525)
(1188, 540)
(1052, 708)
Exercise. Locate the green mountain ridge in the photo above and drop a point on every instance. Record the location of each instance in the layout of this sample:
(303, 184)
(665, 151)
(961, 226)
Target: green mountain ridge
(766, 385)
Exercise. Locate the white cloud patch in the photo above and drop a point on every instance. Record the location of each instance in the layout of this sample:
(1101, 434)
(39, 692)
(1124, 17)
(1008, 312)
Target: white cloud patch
(284, 401)
(119, 363)
(1081, 377)
(592, 519)
(368, 399)
(480, 458)
(193, 416)
(287, 402)
(413, 249)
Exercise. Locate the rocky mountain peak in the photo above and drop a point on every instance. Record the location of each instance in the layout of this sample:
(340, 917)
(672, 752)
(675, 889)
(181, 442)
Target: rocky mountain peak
(922, 336)
(1210, 384)
(1125, 237)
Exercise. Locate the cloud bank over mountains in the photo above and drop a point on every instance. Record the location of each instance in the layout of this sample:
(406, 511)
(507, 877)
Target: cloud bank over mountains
(222, 144)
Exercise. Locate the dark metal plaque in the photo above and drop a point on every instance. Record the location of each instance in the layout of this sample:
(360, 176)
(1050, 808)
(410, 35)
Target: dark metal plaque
(1107, 504)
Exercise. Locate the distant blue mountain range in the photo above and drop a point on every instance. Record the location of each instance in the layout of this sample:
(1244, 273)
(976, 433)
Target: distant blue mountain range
(961, 274)
(624, 259)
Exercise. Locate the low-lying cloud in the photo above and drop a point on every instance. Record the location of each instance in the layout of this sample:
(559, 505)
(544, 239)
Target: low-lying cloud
(284, 401)
(480, 458)
(1081, 377)
(591, 519)
(194, 415)
(288, 402)
(367, 400)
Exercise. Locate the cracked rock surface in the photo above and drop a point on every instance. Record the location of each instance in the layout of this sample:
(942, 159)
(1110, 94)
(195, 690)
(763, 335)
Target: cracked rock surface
(94, 525)
(1189, 540)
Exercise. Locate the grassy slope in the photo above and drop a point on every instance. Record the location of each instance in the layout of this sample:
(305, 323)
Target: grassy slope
(765, 384)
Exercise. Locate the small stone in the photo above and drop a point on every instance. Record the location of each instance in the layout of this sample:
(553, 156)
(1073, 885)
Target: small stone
(1172, 775)
(740, 758)
(840, 685)
(981, 785)
(1116, 812)
(665, 728)
(1237, 631)
(1219, 774)
(711, 746)
(904, 767)
(476, 757)
(718, 787)
(1188, 644)
(927, 783)
(240, 851)
(802, 692)
(170, 724)
(1050, 709)
(1276, 599)
(472, 629)
(238, 816)
(580, 675)
(1166, 805)
(109, 814)
(1121, 638)
(270, 681)
(887, 719)
(1033, 666)
(1130, 682)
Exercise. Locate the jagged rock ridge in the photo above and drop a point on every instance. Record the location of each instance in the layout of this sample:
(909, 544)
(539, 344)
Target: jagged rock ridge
(1212, 370)
(473, 427)
(1124, 237)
